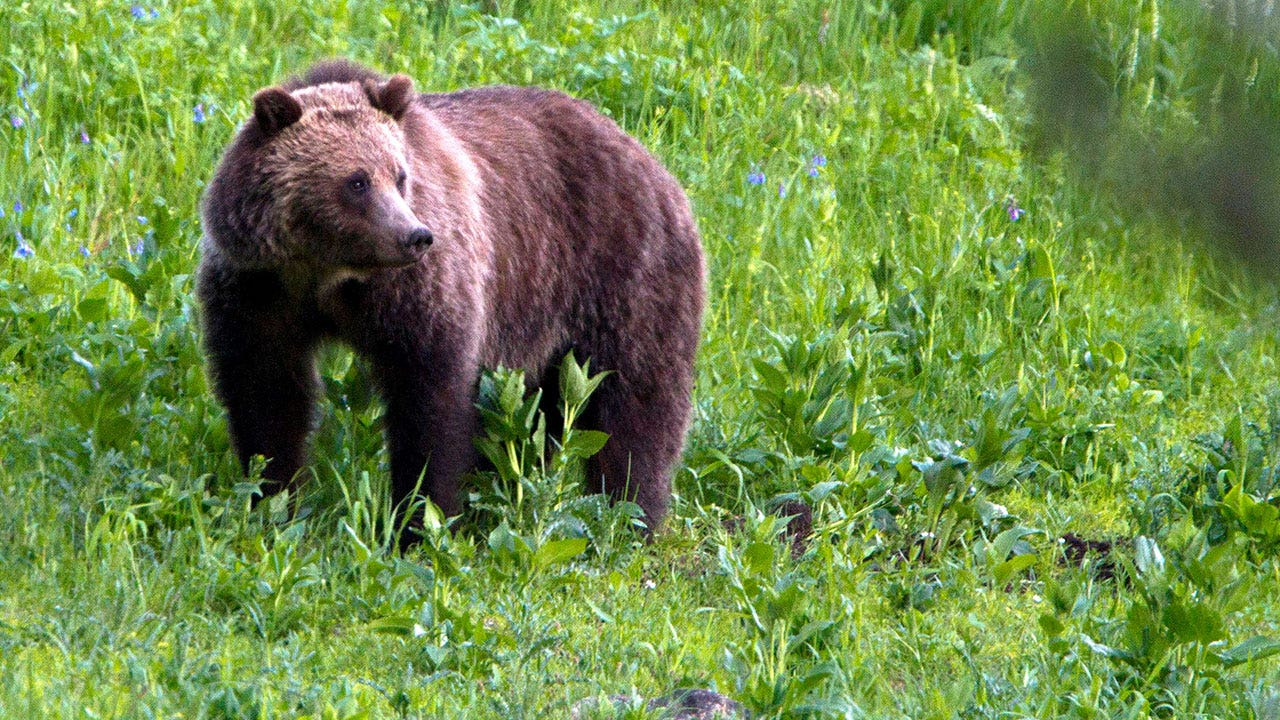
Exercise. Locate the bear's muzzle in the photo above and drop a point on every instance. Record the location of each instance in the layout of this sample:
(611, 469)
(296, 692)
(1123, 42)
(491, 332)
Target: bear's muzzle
(419, 238)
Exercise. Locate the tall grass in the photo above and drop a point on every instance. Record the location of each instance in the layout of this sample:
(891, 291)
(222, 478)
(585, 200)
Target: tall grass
(922, 323)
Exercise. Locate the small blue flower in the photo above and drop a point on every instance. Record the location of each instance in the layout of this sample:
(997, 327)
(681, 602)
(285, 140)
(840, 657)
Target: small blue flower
(142, 220)
(756, 176)
(782, 190)
(16, 121)
(137, 12)
(816, 164)
(84, 137)
(1011, 208)
(17, 206)
(198, 113)
(72, 213)
(154, 13)
(138, 247)
(84, 251)
(24, 250)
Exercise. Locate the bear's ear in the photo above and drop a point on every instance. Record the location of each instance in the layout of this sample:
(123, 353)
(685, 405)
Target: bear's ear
(393, 96)
(275, 109)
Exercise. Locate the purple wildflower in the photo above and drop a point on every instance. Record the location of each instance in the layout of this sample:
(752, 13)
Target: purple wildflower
(816, 164)
(84, 136)
(16, 121)
(139, 247)
(756, 176)
(24, 250)
(18, 207)
(1011, 208)
(782, 190)
(137, 12)
(198, 113)
(84, 251)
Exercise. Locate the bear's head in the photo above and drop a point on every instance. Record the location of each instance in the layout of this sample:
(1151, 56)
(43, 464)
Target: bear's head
(321, 179)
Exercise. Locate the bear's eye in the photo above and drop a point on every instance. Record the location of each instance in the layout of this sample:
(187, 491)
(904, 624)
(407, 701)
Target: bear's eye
(358, 184)
(401, 179)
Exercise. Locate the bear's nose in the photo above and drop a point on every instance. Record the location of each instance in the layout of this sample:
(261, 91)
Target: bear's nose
(421, 237)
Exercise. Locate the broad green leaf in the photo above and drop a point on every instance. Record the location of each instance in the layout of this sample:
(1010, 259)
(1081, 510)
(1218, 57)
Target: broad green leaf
(820, 491)
(773, 379)
(1051, 625)
(393, 625)
(558, 551)
(1255, 648)
(585, 443)
(1114, 353)
(1039, 264)
(1194, 622)
(812, 628)
(759, 557)
(1004, 542)
(1105, 650)
(812, 680)
(1147, 555)
(573, 382)
(1003, 572)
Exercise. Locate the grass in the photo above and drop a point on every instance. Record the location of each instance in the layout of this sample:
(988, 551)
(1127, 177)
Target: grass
(952, 390)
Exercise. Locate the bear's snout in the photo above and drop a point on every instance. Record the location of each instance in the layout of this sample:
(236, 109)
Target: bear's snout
(419, 238)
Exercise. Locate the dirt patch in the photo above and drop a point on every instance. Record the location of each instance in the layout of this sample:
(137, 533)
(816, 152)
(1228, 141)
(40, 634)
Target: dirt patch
(799, 528)
(682, 704)
(1079, 552)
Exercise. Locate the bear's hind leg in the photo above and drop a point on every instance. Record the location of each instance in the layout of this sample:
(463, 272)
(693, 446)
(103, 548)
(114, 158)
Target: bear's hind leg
(646, 422)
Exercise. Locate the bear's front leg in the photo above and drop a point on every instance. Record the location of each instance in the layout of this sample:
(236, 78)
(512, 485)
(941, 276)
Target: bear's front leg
(263, 370)
(430, 422)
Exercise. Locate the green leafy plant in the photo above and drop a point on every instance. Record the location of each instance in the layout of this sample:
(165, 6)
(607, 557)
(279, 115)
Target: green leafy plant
(772, 600)
(536, 486)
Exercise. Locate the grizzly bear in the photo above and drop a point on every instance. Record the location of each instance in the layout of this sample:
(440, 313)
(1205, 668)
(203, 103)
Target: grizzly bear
(436, 235)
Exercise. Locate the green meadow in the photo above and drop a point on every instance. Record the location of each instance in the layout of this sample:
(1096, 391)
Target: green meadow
(1034, 411)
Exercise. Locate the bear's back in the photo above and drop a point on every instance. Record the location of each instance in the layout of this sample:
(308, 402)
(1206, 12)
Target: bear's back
(553, 164)
(534, 130)
(578, 211)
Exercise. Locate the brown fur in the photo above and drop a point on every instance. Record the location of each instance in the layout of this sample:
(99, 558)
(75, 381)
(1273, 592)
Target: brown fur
(553, 230)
